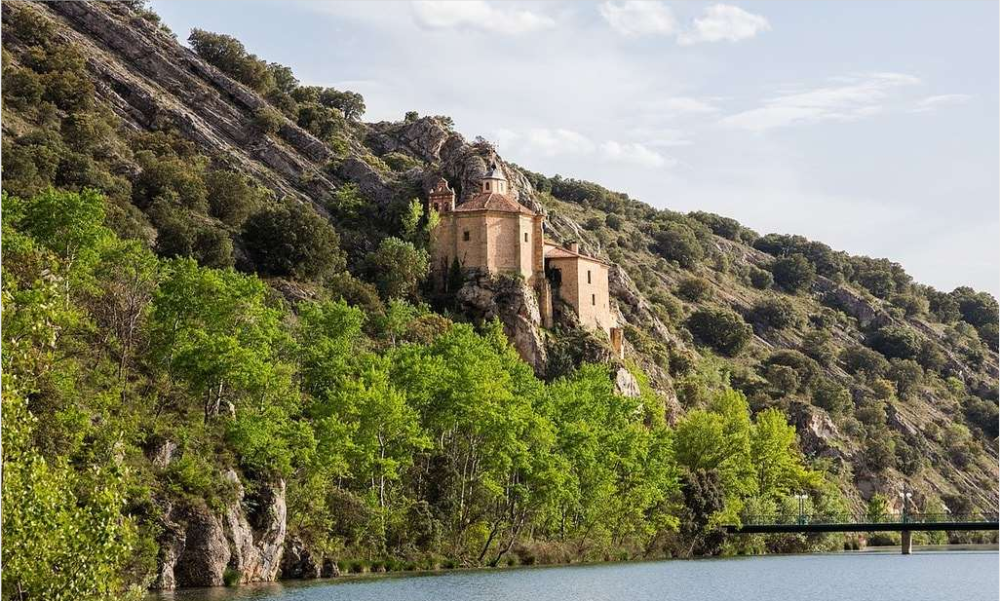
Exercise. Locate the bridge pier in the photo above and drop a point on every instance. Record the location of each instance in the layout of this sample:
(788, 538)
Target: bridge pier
(907, 542)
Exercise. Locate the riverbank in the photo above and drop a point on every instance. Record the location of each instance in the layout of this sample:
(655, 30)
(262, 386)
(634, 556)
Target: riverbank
(297, 588)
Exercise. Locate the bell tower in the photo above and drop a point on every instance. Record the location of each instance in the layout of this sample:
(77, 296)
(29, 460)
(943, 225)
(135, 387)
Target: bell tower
(441, 197)
(494, 181)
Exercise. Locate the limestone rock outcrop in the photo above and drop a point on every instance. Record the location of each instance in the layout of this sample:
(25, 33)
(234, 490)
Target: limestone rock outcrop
(485, 296)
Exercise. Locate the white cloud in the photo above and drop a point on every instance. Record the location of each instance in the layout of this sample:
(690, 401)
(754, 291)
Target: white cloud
(857, 97)
(662, 138)
(682, 104)
(722, 22)
(546, 142)
(935, 102)
(633, 18)
(479, 14)
(558, 142)
(635, 153)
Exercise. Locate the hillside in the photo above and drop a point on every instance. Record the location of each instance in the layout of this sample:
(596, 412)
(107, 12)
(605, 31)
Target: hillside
(217, 316)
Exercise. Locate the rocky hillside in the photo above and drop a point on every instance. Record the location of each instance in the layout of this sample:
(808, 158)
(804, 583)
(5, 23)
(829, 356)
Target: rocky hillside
(889, 383)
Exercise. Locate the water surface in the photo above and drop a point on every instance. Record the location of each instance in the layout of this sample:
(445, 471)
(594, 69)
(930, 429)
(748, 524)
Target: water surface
(875, 576)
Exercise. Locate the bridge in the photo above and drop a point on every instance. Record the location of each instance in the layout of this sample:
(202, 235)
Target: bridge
(905, 523)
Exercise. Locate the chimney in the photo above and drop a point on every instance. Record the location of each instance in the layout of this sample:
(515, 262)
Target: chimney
(574, 246)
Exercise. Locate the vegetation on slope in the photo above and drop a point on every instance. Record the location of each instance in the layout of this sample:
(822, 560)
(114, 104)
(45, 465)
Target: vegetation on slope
(141, 306)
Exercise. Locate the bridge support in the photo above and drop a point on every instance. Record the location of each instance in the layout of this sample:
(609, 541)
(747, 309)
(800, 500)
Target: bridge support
(907, 542)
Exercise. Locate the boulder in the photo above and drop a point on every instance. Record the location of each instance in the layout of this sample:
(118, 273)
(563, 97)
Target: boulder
(626, 384)
(298, 563)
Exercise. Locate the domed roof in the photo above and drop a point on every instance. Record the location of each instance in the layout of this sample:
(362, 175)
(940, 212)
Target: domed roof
(494, 172)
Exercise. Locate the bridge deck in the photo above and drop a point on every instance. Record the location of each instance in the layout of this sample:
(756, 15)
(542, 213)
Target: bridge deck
(909, 523)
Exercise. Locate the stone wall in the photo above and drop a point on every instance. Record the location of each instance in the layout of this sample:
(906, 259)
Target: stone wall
(587, 295)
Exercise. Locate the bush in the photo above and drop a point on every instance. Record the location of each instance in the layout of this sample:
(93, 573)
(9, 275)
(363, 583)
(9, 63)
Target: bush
(721, 329)
(774, 312)
(907, 376)
(267, 121)
(398, 268)
(807, 370)
(677, 242)
(613, 221)
(818, 345)
(783, 379)
(793, 273)
(232, 197)
(761, 279)
(896, 342)
(859, 360)
(291, 239)
(694, 289)
(230, 56)
(831, 396)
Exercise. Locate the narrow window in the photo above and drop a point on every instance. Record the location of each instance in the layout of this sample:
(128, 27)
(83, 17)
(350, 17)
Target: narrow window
(525, 236)
(588, 276)
(465, 235)
(593, 299)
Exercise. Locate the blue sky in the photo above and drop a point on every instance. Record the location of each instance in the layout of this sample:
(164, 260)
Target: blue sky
(871, 126)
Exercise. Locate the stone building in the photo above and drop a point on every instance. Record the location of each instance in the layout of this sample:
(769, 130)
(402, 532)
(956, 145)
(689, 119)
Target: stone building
(492, 231)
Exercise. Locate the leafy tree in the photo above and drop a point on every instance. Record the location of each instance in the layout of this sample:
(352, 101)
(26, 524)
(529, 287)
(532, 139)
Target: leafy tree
(761, 279)
(290, 239)
(723, 330)
(230, 56)
(830, 395)
(896, 342)
(793, 273)
(677, 242)
(859, 360)
(232, 197)
(398, 267)
(694, 289)
(818, 345)
(774, 312)
(907, 375)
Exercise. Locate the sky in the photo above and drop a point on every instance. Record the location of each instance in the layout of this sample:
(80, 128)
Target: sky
(870, 126)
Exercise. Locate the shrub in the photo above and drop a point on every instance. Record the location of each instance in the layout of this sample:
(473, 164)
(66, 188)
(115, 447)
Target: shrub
(793, 273)
(831, 396)
(677, 242)
(896, 342)
(230, 56)
(807, 370)
(232, 197)
(720, 329)
(982, 414)
(290, 239)
(760, 278)
(694, 289)
(860, 360)
(397, 161)
(398, 268)
(818, 345)
(267, 121)
(907, 376)
(613, 221)
(774, 312)
(783, 379)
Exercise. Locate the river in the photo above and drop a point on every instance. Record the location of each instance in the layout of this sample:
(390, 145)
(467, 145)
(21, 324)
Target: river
(928, 575)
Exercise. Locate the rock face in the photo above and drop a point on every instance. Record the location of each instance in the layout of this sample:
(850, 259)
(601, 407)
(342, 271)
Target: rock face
(484, 297)
(197, 546)
(203, 552)
(817, 432)
(298, 563)
(257, 540)
(626, 384)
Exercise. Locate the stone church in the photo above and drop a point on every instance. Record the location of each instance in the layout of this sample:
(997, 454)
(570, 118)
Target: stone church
(492, 231)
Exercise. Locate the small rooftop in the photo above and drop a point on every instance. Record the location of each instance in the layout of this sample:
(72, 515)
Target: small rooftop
(556, 251)
(493, 201)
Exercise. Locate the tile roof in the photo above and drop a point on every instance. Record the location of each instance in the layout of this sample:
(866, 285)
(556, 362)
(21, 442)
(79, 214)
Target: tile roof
(493, 201)
(554, 251)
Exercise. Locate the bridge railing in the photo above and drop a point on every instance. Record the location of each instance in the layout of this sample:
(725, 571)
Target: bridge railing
(843, 518)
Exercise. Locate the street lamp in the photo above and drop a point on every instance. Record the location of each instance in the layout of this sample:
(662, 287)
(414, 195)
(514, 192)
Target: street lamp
(801, 498)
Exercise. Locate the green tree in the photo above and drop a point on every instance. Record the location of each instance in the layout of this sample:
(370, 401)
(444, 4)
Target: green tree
(720, 329)
(290, 239)
(398, 267)
(793, 273)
